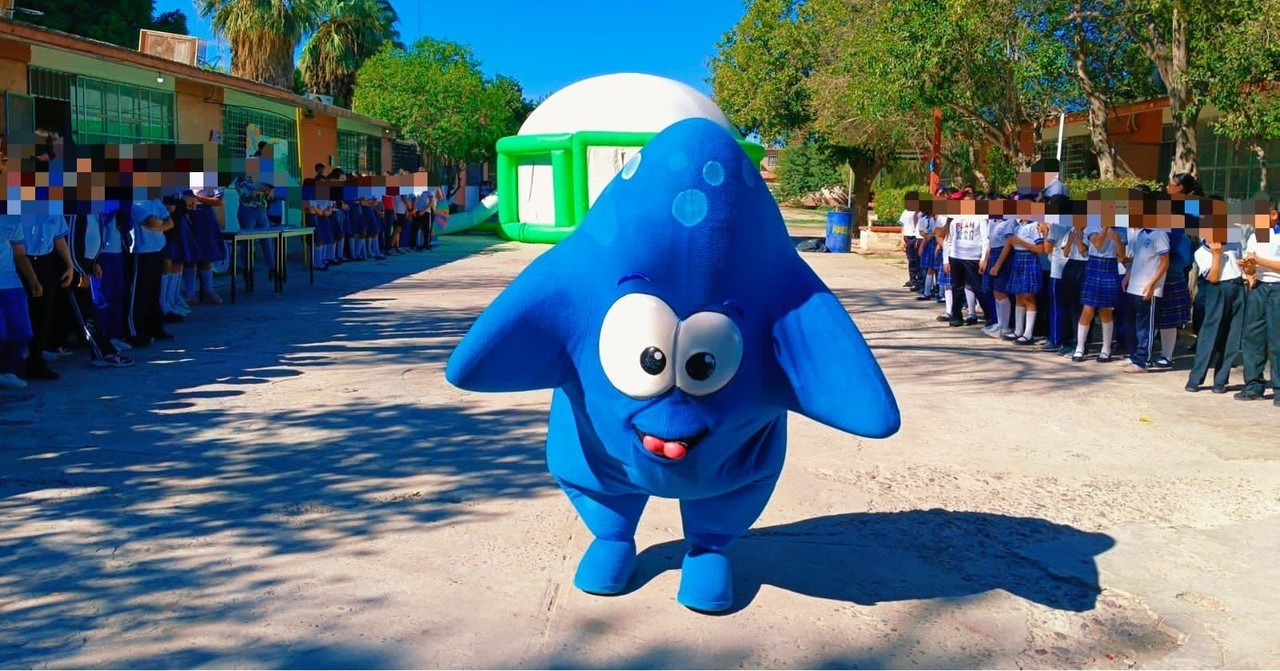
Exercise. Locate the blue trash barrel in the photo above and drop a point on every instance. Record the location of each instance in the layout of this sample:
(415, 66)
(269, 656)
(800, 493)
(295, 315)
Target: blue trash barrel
(839, 228)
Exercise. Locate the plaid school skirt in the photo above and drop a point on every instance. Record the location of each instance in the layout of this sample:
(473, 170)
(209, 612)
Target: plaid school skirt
(1101, 283)
(993, 282)
(1173, 309)
(944, 277)
(1024, 277)
(929, 255)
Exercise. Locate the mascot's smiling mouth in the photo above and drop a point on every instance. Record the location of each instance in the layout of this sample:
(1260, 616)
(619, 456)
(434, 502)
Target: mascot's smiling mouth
(673, 450)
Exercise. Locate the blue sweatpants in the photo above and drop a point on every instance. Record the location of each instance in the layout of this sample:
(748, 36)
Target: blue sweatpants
(109, 293)
(15, 328)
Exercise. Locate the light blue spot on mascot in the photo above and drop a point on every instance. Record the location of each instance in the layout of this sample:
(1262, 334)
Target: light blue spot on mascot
(677, 327)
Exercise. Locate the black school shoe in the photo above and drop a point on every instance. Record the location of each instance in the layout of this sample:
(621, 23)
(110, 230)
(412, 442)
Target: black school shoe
(971, 321)
(943, 318)
(40, 371)
(1248, 395)
(162, 334)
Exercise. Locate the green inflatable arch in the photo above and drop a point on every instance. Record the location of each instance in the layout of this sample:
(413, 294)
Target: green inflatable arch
(568, 156)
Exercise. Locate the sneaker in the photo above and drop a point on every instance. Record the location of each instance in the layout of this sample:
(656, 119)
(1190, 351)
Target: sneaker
(1050, 347)
(121, 345)
(1219, 390)
(1248, 395)
(990, 329)
(113, 361)
(955, 322)
(181, 305)
(943, 318)
(1162, 362)
(1132, 367)
(1193, 388)
(11, 381)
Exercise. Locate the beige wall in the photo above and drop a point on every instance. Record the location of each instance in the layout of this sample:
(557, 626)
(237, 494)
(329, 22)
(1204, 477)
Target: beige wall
(199, 109)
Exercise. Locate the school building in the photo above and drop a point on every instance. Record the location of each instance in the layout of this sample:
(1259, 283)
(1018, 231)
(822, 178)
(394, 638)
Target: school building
(98, 93)
(1142, 137)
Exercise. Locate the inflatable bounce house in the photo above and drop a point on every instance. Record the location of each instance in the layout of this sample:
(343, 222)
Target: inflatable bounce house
(576, 141)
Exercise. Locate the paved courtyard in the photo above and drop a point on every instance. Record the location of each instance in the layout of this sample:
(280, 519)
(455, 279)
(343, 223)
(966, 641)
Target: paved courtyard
(291, 483)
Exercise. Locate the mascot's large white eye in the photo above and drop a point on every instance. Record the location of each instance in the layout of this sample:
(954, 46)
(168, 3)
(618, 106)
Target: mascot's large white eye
(637, 344)
(709, 350)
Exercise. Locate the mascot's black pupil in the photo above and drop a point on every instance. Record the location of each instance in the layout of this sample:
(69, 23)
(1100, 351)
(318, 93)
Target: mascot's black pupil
(700, 366)
(653, 361)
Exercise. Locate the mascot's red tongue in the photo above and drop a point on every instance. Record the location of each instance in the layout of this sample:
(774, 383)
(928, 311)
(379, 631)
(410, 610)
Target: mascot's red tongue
(668, 449)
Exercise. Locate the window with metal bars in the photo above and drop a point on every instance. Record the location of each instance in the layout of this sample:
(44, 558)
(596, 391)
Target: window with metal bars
(405, 156)
(359, 152)
(51, 84)
(236, 120)
(106, 112)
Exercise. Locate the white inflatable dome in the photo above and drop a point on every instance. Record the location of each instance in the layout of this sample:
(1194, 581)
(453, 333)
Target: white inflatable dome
(622, 103)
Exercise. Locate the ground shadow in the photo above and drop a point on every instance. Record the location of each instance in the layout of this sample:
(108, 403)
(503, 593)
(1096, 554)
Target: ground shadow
(869, 558)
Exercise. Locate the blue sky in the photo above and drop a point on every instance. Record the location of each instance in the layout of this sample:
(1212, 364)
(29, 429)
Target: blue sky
(549, 44)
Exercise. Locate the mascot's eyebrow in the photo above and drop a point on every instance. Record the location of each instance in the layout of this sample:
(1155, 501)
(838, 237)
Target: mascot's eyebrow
(632, 276)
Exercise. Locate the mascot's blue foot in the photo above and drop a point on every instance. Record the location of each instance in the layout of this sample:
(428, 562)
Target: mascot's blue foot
(706, 582)
(606, 567)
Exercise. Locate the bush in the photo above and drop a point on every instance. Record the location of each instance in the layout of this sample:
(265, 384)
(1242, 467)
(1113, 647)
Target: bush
(891, 202)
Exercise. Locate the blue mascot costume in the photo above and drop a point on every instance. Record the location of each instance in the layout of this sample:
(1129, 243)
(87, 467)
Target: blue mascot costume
(677, 327)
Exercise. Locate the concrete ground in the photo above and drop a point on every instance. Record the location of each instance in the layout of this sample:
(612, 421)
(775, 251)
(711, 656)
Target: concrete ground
(291, 483)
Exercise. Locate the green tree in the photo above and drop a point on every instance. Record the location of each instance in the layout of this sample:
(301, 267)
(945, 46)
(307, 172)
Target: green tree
(116, 22)
(263, 34)
(350, 31)
(806, 167)
(1241, 77)
(435, 93)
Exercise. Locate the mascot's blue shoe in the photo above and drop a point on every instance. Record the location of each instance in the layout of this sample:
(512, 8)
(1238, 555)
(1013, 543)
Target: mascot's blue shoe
(677, 326)
(606, 567)
(706, 582)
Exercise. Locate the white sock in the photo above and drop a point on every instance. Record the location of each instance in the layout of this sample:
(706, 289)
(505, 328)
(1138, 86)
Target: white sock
(1082, 337)
(318, 253)
(357, 248)
(1003, 308)
(166, 306)
(1108, 329)
(189, 281)
(1019, 319)
(947, 295)
(971, 299)
(377, 246)
(175, 290)
(1031, 324)
(928, 285)
(1168, 341)
(206, 280)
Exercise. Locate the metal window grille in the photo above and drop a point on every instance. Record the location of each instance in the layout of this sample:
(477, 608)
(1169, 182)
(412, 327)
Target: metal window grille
(405, 156)
(359, 152)
(235, 121)
(51, 84)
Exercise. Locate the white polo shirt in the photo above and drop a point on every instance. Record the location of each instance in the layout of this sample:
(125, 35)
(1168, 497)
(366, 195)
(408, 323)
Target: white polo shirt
(1108, 249)
(1230, 255)
(908, 221)
(1269, 250)
(1146, 246)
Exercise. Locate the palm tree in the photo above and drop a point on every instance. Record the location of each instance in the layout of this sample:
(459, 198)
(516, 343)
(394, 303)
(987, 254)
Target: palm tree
(263, 34)
(349, 32)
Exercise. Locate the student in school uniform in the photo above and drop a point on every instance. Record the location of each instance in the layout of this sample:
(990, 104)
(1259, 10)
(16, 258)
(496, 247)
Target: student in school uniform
(208, 247)
(928, 248)
(1057, 228)
(1174, 307)
(49, 253)
(995, 281)
(15, 317)
(1100, 293)
(909, 220)
(177, 253)
(1261, 263)
(86, 247)
(1074, 248)
(400, 210)
(1144, 282)
(1223, 289)
(151, 219)
(1024, 279)
(312, 216)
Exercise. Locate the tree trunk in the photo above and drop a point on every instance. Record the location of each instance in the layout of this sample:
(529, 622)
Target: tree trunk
(975, 167)
(1184, 109)
(864, 171)
(1097, 105)
(1262, 166)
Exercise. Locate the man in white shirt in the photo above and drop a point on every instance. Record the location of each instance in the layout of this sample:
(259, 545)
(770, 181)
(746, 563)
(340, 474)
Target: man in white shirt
(1262, 311)
(910, 220)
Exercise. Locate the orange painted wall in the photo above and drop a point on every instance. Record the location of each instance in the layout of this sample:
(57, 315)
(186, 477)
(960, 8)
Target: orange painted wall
(318, 142)
(14, 57)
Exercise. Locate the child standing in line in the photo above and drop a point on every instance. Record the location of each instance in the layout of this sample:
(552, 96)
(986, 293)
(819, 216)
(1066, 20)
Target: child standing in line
(107, 284)
(15, 322)
(1144, 282)
(1024, 279)
(86, 247)
(1218, 343)
(1076, 250)
(1261, 263)
(207, 246)
(928, 245)
(995, 282)
(1101, 290)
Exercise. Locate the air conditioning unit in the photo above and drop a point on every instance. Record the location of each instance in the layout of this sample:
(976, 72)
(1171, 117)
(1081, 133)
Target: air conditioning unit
(320, 98)
(177, 48)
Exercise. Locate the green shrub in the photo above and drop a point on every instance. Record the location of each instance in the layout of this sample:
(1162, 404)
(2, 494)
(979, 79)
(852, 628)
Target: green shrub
(890, 203)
